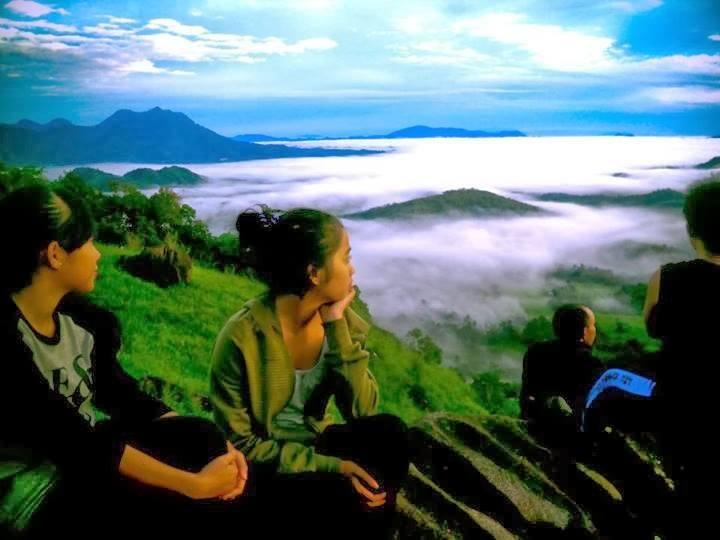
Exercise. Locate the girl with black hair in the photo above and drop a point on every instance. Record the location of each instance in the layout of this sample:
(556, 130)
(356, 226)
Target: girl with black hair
(60, 468)
(277, 363)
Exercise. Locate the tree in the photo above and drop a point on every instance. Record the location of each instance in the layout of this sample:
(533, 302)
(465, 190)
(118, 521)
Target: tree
(12, 178)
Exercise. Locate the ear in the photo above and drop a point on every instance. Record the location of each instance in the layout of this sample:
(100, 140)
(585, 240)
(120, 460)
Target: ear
(55, 255)
(313, 274)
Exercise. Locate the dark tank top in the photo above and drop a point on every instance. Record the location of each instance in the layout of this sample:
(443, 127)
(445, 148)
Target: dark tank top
(687, 320)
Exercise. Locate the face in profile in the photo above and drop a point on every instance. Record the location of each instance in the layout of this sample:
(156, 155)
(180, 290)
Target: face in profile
(335, 279)
(590, 331)
(78, 270)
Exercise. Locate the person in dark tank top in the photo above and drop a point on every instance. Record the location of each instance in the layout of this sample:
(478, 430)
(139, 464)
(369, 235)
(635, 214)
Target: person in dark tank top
(681, 309)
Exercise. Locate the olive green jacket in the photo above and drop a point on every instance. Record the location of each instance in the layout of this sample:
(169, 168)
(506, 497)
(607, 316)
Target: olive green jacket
(252, 379)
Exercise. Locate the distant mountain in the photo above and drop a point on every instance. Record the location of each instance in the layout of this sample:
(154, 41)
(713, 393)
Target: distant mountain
(619, 134)
(141, 178)
(255, 137)
(419, 132)
(52, 124)
(154, 136)
(663, 198)
(714, 163)
(463, 202)
(414, 132)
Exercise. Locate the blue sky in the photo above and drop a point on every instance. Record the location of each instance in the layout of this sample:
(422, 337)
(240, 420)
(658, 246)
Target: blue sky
(334, 67)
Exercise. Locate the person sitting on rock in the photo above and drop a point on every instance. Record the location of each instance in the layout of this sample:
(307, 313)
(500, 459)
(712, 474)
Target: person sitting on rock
(277, 363)
(64, 469)
(681, 309)
(557, 374)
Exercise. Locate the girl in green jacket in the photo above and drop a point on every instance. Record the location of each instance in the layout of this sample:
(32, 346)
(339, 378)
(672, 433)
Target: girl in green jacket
(277, 363)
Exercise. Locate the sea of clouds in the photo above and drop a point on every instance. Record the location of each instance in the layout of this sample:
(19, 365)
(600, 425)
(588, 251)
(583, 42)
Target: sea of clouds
(412, 272)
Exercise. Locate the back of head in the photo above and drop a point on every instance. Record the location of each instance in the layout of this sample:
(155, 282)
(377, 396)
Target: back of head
(569, 322)
(30, 219)
(279, 248)
(702, 213)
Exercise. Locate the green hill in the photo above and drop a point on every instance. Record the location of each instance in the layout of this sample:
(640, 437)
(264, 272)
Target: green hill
(463, 202)
(167, 176)
(168, 335)
(713, 163)
(662, 198)
(140, 178)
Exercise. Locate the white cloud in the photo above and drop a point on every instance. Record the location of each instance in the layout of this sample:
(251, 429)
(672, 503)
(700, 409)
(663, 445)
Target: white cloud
(298, 5)
(228, 47)
(442, 53)
(414, 24)
(635, 6)
(108, 29)
(146, 66)
(172, 47)
(11, 33)
(694, 95)
(549, 46)
(120, 20)
(44, 45)
(699, 64)
(513, 47)
(45, 25)
(175, 27)
(196, 12)
(8, 33)
(714, 37)
(33, 9)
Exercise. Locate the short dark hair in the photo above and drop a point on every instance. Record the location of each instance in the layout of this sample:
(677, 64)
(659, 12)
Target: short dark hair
(569, 322)
(278, 249)
(31, 218)
(702, 213)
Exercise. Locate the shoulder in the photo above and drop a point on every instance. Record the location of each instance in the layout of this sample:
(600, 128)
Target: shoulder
(244, 326)
(85, 313)
(680, 269)
(537, 352)
(100, 322)
(542, 347)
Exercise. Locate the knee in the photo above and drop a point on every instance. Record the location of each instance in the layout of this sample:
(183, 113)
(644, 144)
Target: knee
(392, 432)
(389, 425)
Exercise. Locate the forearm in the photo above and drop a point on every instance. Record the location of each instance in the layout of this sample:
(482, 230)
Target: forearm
(148, 470)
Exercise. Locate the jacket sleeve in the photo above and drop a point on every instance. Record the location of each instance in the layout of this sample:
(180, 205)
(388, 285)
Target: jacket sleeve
(230, 398)
(357, 394)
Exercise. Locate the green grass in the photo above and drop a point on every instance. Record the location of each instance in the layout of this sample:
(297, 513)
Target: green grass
(169, 334)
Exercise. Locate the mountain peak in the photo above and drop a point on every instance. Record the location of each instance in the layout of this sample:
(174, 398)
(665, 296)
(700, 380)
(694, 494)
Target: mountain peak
(124, 117)
(58, 122)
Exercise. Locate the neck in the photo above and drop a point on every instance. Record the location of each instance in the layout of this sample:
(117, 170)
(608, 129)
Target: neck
(38, 301)
(715, 259)
(296, 312)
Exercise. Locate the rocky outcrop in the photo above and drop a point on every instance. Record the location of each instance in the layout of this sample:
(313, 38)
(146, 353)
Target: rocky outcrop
(487, 477)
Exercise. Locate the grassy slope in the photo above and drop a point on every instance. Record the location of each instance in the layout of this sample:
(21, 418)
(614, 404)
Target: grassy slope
(169, 333)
